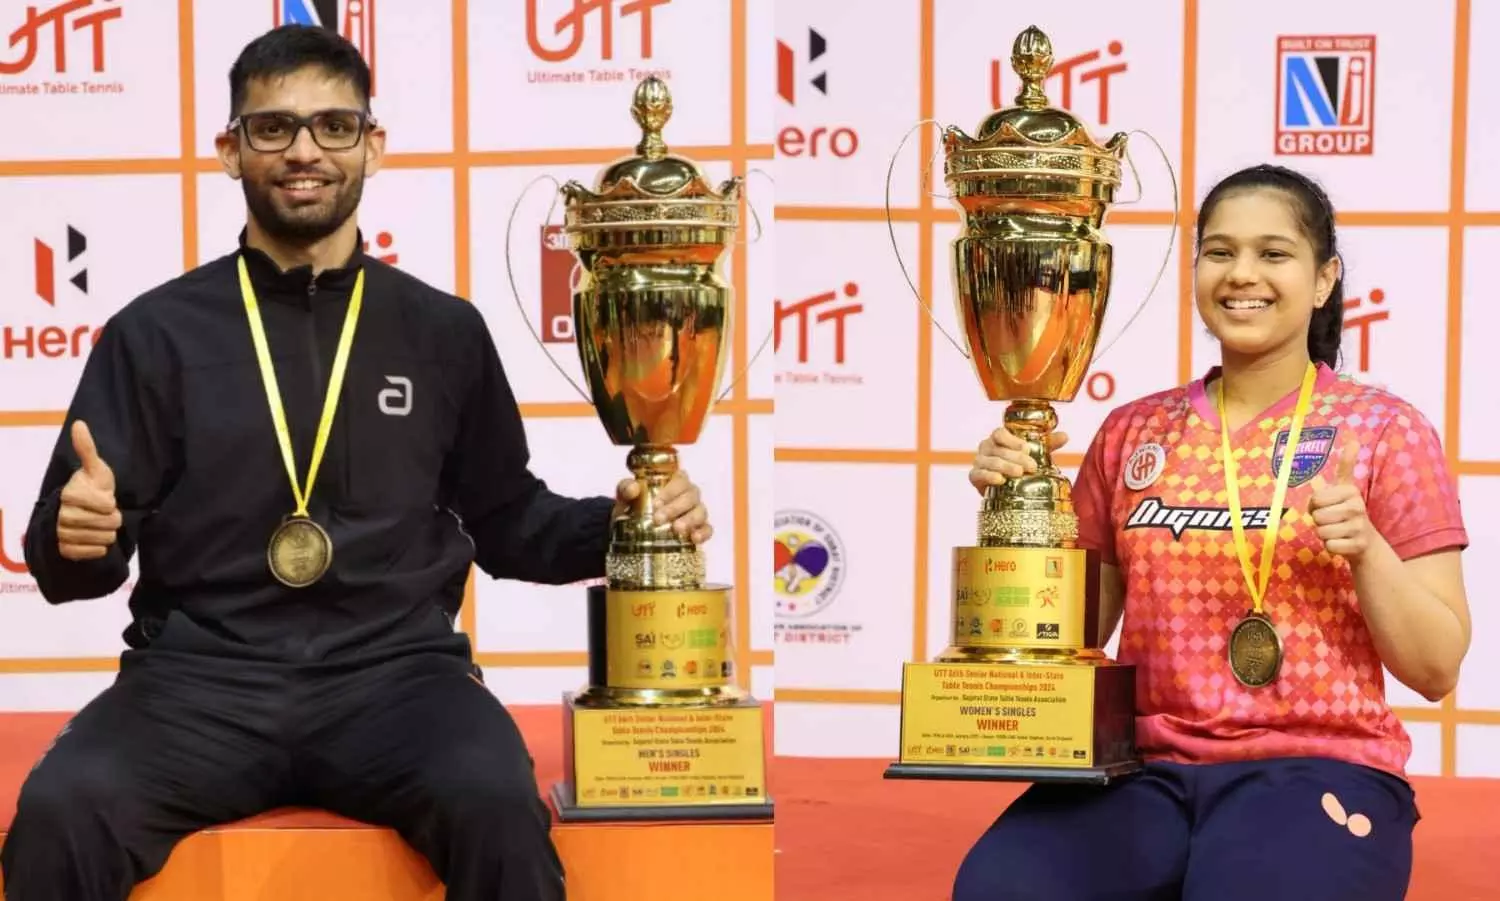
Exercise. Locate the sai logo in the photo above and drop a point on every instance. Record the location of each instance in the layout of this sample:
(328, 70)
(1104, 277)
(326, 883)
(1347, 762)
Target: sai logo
(354, 19)
(1325, 95)
(809, 563)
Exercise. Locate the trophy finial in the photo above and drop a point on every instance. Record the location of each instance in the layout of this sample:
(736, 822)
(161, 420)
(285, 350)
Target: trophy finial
(1031, 58)
(651, 109)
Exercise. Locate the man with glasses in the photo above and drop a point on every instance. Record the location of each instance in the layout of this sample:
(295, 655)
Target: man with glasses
(308, 448)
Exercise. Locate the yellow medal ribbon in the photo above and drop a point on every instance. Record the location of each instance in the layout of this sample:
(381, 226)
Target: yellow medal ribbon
(1283, 477)
(273, 392)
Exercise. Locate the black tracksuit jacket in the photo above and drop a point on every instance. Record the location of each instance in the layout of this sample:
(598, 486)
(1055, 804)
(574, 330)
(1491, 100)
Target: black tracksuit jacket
(172, 394)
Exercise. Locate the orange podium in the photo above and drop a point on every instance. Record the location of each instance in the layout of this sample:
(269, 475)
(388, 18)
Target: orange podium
(305, 855)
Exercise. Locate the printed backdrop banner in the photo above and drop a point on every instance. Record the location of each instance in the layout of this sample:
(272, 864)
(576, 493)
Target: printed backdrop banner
(878, 415)
(109, 186)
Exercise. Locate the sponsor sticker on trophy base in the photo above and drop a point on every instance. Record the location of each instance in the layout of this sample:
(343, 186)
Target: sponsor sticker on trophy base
(667, 639)
(1017, 597)
(678, 757)
(1008, 715)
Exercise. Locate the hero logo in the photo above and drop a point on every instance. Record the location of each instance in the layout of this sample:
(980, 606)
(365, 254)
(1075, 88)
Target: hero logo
(354, 19)
(52, 341)
(797, 141)
(1325, 95)
(823, 312)
(573, 23)
(1071, 73)
(49, 29)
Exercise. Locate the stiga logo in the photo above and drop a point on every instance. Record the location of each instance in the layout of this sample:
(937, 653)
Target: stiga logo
(1325, 95)
(807, 139)
(604, 27)
(55, 50)
(354, 19)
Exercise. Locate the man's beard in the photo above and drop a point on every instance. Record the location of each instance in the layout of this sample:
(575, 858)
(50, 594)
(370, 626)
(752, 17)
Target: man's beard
(303, 224)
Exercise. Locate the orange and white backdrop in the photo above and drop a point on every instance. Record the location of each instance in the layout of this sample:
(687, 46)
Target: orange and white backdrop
(108, 186)
(878, 415)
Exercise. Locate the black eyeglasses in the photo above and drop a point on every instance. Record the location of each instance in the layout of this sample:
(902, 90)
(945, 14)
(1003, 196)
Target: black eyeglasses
(273, 132)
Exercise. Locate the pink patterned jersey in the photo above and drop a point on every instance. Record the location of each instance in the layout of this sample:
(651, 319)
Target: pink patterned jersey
(1151, 499)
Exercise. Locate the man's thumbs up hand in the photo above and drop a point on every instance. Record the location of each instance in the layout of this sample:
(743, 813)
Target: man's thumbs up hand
(88, 519)
(97, 471)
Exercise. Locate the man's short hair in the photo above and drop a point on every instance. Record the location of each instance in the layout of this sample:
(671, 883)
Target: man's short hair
(291, 48)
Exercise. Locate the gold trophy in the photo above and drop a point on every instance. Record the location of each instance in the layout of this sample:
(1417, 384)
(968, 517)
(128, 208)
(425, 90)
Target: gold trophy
(661, 731)
(1023, 692)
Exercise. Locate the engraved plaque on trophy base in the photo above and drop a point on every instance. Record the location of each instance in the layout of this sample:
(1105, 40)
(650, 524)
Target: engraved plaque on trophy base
(1020, 694)
(1017, 722)
(662, 732)
(663, 763)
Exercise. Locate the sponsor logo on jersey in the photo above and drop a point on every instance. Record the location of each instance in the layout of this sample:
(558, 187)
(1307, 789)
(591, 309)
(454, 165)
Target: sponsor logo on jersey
(1151, 513)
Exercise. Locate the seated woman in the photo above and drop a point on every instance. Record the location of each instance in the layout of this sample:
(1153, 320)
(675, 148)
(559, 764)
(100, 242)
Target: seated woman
(1275, 768)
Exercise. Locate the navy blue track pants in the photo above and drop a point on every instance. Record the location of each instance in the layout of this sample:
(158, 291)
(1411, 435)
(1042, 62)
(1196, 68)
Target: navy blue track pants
(1272, 830)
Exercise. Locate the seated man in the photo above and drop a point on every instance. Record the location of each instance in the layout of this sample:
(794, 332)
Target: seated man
(301, 567)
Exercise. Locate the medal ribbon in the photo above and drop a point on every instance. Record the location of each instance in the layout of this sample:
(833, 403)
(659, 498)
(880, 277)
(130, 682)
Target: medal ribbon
(273, 392)
(1283, 477)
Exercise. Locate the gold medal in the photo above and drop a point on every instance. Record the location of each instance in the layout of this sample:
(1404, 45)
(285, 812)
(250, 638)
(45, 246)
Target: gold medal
(300, 552)
(1255, 651)
(1254, 645)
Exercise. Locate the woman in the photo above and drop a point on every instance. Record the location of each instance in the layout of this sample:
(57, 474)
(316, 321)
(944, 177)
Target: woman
(1275, 768)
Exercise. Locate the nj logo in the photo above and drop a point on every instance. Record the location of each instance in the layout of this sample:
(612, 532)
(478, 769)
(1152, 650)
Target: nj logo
(396, 400)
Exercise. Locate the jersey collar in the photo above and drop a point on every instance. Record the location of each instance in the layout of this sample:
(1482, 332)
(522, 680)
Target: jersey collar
(1203, 403)
(299, 280)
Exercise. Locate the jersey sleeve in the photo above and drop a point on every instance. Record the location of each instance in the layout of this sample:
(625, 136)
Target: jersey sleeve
(1092, 499)
(129, 408)
(521, 529)
(1412, 495)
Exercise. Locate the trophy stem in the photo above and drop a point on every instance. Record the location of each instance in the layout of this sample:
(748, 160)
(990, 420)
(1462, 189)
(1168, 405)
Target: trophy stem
(1035, 510)
(1034, 421)
(642, 554)
(653, 465)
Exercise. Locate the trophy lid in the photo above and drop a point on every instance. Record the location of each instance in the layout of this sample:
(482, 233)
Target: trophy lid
(654, 187)
(1034, 138)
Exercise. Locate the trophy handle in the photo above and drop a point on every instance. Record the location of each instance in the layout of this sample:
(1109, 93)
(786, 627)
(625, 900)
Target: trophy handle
(510, 275)
(759, 232)
(772, 331)
(927, 175)
(891, 228)
(1171, 234)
